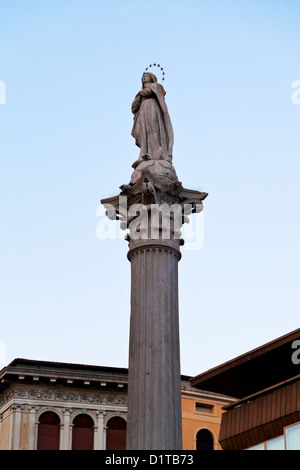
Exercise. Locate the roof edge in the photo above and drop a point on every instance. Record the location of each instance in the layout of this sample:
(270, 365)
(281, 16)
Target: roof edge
(256, 352)
(70, 365)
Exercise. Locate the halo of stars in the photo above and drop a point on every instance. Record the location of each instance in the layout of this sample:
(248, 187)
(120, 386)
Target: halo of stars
(156, 65)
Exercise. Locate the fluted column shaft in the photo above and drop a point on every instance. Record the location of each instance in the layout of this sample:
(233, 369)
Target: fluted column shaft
(154, 389)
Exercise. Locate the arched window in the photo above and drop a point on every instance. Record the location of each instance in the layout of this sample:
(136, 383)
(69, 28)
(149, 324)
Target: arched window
(83, 433)
(48, 431)
(116, 434)
(205, 440)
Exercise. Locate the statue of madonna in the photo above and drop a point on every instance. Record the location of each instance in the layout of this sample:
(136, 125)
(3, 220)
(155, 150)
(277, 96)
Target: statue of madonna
(152, 128)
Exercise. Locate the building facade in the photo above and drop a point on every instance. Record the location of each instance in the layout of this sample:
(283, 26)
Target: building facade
(59, 406)
(201, 417)
(266, 384)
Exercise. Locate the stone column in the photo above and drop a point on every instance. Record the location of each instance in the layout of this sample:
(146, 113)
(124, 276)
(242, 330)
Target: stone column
(32, 427)
(65, 444)
(17, 426)
(104, 437)
(154, 382)
(99, 443)
(153, 202)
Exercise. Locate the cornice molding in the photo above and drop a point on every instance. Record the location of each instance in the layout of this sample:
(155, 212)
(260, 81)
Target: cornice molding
(63, 397)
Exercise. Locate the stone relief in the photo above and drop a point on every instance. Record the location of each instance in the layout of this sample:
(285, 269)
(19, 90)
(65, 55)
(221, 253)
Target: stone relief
(103, 398)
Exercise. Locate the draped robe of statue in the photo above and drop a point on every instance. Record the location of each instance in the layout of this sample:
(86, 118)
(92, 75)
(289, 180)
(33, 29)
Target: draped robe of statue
(152, 128)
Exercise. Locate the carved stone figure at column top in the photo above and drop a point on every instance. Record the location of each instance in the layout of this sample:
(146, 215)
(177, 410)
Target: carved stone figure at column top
(152, 128)
(153, 132)
(154, 179)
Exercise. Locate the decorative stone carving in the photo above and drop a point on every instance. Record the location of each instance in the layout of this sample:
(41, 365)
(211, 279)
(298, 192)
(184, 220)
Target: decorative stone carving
(101, 398)
(154, 180)
(163, 171)
(149, 190)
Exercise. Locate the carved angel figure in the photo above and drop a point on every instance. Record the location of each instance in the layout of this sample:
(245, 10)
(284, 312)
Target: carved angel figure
(152, 128)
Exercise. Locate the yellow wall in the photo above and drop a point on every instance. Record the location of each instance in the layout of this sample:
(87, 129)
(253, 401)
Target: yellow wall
(193, 421)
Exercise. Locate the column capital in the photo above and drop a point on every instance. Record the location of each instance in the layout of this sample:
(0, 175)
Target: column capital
(33, 408)
(154, 207)
(17, 407)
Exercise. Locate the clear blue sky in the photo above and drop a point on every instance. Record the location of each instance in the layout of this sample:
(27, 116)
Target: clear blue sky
(71, 70)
